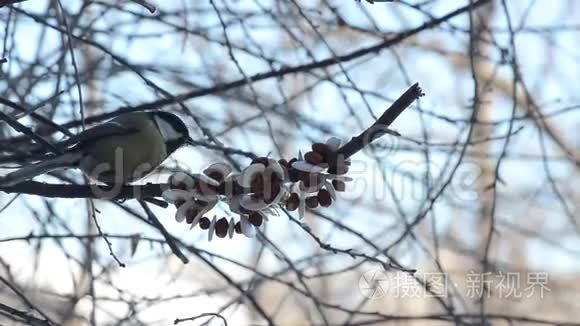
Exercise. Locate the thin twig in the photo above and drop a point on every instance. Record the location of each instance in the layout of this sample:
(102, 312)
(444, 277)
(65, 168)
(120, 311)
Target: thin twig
(28, 132)
(208, 314)
(380, 127)
(34, 115)
(146, 4)
(24, 316)
(104, 236)
(174, 248)
(25, 299)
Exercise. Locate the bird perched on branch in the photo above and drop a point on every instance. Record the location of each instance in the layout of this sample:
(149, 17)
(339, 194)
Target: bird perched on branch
(119, 151)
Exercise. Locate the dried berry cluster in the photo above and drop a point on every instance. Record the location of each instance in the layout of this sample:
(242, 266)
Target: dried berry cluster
(223, 227)
(321, 156)
(259, 190)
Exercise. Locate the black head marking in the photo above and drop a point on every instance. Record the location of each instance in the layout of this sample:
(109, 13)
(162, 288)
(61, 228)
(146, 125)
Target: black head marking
(172, 129)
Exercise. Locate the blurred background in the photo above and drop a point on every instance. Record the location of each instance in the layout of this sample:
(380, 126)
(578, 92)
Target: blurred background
(479, 195)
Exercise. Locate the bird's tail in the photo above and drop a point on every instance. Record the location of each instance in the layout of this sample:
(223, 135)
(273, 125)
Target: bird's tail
(30, 171)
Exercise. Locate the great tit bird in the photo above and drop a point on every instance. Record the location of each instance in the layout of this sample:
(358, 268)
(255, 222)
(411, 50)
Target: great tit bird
(119, 151)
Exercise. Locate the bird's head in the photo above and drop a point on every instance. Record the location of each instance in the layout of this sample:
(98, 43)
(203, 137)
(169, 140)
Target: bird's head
(172, 129)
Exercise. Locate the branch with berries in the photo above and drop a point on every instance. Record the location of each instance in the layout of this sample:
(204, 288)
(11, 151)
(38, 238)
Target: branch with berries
(267, 185)
(251, 195)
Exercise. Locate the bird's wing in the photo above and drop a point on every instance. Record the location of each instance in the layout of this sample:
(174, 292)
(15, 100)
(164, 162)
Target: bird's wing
(107, 129)
(38, 153)
(31, 170)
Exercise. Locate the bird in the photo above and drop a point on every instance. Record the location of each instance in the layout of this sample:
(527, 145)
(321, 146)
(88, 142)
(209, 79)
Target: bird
(119, 151)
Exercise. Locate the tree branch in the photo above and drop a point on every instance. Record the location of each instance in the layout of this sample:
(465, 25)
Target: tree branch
(48, 190)
(151, 190)
(380, 127)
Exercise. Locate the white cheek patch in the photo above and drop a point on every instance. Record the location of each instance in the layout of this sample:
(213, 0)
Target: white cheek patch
(166, 129)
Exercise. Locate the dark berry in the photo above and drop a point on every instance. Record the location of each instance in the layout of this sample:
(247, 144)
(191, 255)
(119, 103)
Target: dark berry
(293, 202)
(313, 158)
(190, 214)
(324, 198)
(204, 223)
(221, 227)
(312, 202)
(321, 148)
(255, 219)
(238, 228)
